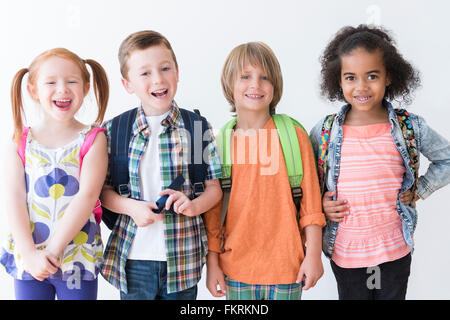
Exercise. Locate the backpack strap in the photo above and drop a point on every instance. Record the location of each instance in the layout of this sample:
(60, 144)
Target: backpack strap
(292, 155)
(88, 141)
(323, 150)
(196, 125)
(404, 120)
(23, 144)
(224, 145)
(121, 132)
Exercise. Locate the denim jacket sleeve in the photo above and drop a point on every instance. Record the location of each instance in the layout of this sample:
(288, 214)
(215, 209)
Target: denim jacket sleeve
(437, 150)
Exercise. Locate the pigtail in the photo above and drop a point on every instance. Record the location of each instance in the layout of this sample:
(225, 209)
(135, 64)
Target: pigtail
(16, 103)
(101, 88)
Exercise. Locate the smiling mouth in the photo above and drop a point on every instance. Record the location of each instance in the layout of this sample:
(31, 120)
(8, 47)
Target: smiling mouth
(160, 93)
(254, 96)
(362, 99)
(62, 103)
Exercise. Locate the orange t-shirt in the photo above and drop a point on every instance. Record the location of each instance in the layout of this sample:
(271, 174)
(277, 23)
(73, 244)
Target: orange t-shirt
(263, 243)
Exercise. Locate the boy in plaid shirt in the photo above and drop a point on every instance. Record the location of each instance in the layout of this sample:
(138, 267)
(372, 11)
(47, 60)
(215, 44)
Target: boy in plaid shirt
(145, 248)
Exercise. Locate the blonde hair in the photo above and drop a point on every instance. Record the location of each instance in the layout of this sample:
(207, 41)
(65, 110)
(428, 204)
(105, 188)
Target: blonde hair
(139, 41)
(100, 81)
(258, 54)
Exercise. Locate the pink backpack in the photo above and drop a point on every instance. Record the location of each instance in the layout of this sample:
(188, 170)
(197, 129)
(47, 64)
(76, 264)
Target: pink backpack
(84, 149)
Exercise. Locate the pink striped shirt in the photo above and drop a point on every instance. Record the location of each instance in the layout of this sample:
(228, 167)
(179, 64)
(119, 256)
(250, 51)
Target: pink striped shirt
(370, 177)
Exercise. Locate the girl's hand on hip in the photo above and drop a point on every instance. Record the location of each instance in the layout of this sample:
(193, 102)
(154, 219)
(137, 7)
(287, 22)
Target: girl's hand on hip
(408, 197)
(335, 210)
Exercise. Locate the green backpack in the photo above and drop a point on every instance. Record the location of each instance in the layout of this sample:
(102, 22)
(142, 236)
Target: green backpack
(291, 152)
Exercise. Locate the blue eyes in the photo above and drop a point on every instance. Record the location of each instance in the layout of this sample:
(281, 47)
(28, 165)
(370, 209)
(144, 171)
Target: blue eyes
(54, 82)
(246, 77)
(148, 73)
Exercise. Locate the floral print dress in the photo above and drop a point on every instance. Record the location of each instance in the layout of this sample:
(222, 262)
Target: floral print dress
(52, 180)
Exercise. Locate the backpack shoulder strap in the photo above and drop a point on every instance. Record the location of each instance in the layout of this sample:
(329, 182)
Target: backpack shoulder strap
(292, 155)
(88, 141)
(23, 144)
(290, 146)
(323, 149)
(196, 125)
(120, 136)
(404, 120)
(120, 142)
(223, 142)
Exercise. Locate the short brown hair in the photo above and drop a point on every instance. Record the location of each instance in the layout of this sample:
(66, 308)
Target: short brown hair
(256, 53)
(139, 41)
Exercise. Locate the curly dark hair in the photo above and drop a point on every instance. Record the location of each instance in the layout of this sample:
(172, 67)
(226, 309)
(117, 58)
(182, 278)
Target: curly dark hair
(404, 77)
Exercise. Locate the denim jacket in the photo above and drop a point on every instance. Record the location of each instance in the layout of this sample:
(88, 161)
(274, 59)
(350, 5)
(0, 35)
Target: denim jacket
(429, 143)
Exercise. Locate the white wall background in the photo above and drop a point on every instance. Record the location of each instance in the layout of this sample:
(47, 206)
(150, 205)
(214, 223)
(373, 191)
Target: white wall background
(202, 33)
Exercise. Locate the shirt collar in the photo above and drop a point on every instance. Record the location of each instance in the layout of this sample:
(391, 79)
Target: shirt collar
(141, 125)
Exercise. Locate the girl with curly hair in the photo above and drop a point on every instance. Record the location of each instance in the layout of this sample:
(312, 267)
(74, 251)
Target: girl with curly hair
(368, 159)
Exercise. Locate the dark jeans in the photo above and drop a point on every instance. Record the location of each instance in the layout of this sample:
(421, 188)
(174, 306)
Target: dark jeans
(387, 281)
(147, 280)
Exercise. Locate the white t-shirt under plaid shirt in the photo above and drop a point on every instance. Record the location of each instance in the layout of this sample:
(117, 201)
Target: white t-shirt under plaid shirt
(185, 237)
(148, 242)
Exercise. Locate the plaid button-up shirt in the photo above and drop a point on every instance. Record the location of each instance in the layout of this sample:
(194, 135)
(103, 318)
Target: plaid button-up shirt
(185, 237)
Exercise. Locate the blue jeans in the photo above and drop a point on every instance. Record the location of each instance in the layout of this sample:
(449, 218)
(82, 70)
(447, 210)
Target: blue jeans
(147, 280)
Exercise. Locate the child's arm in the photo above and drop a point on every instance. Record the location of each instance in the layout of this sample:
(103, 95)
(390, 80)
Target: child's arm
(183, 205)
(436, 149)
(311, 216)
(92, 176)
(39, 263)
(140, 211)
(311, 267)
(214, 275)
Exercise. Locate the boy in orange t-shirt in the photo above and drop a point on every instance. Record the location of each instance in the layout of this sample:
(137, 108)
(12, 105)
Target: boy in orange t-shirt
(263, 255)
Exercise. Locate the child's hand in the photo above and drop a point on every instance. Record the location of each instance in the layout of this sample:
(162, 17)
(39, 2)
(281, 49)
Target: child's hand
(335, 210)
(311, 271)
(214, 276)
(40, 264)
(142, 214)
(408, 198)
(181, 203)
